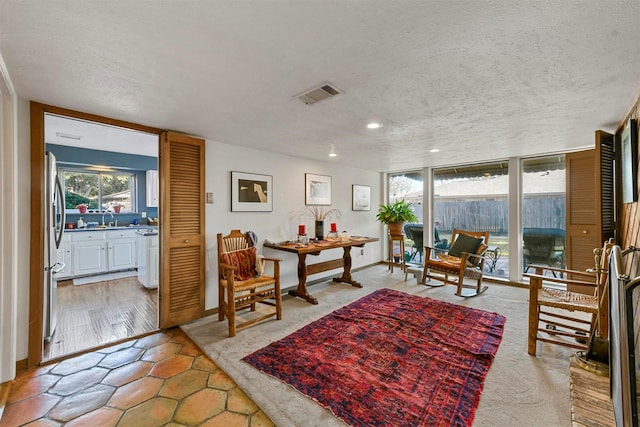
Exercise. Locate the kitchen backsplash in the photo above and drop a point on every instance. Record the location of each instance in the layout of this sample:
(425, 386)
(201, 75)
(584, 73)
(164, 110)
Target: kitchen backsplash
(123, 219)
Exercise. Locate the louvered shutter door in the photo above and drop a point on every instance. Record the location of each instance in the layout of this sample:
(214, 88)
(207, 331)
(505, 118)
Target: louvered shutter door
(182, 179)
(589, 203)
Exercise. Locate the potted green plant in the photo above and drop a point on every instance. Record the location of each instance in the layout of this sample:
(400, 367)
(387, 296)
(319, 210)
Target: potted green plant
(395, 215)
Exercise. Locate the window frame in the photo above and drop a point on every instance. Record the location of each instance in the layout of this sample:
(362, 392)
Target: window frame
(63, 169)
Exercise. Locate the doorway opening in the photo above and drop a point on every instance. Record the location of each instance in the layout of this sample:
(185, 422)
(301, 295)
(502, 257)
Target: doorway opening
(105, 287)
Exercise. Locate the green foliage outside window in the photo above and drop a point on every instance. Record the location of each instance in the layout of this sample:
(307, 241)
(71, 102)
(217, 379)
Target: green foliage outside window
(99, 190)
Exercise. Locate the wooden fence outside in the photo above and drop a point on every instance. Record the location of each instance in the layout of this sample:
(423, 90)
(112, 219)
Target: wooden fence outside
(493, 213)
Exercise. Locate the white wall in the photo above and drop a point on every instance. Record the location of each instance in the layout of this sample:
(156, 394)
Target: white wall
(23, 190)
(8, 222)
(288, 196)
(221, 159)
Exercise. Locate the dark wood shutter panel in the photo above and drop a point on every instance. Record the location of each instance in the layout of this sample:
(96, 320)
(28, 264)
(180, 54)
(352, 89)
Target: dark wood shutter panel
(607, 184)
(183, 229)
(590, 203)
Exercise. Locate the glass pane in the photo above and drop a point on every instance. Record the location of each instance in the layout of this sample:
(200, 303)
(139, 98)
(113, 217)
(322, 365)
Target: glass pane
(474, 198)
(408, 187)
(81, 188)
(117, 193)
(544, 211)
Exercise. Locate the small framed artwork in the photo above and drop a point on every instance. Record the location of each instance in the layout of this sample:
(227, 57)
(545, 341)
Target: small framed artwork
(251, 192)
(629, 160)
(361, 197)
(317, 189)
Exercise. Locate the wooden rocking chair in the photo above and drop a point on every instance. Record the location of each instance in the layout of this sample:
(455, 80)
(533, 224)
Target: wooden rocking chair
(465, 259)
(240, 283)
(549, 302)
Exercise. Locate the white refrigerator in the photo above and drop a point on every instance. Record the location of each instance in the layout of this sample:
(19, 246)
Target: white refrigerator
(54, 227)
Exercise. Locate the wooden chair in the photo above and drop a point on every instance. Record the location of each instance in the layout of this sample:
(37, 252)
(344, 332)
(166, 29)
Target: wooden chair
(549, 302)
(465, 259)
(240, 285)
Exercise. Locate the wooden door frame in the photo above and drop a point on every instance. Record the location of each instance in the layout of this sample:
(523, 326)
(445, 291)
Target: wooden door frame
(36, 270)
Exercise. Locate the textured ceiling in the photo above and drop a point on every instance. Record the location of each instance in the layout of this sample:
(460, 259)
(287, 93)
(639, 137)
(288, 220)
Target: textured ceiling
(479, 80)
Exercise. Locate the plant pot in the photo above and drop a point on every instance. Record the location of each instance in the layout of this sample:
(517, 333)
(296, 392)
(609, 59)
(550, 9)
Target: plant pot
(116, 209)
(320, 230)
(82, 209)
(395, 228)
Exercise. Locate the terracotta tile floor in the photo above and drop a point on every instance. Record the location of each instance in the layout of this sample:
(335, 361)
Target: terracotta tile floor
(161, 379)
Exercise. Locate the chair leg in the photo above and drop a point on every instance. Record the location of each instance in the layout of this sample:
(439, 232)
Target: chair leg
(231, 315)
(534, 317)
(221, 291)
(425, 272)
(479, 288)
(460, 283)
(278, 301)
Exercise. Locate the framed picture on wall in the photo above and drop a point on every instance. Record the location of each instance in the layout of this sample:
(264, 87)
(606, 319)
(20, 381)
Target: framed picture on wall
(317, 189)
(629, 159)
(361, 197)
(251, 192)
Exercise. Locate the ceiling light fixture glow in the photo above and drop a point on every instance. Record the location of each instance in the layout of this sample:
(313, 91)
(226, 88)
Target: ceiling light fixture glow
(68, 136)
(434, 150)
(333, 153)
(374, 125)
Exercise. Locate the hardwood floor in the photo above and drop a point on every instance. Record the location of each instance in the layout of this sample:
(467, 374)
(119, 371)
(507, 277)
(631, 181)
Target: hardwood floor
(100, 313)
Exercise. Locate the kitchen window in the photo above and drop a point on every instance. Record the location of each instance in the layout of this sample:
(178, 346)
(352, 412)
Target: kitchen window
(99, 190)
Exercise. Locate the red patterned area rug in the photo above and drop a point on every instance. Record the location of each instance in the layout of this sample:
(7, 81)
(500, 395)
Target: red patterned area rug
(390, 359)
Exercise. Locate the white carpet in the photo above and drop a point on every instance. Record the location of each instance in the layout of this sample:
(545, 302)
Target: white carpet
(520, 390)
(103, 277)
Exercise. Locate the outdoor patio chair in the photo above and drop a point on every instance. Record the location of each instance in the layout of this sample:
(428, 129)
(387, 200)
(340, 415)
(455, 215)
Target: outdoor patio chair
(465, 259)
(550, 302)
(442, 244)
(241, 284)
(414, 232)
(545, 246)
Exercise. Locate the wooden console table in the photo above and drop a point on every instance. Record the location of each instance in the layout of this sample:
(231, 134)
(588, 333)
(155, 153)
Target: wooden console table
(315, 249)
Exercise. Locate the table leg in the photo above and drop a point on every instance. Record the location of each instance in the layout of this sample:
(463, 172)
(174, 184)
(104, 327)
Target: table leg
(346, 274)
(301, 291)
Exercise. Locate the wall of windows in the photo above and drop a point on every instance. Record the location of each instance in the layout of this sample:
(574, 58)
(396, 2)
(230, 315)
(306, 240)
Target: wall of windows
(490, 197)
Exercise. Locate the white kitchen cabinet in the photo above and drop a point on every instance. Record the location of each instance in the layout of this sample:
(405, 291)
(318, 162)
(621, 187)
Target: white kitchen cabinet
(65, 256)
(148, 260)
(152, 188)
(122, 249)
(89, 253)
(153, 261)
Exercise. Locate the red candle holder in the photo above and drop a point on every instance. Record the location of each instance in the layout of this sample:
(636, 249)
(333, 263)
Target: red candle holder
(302, 230)
(334, 227)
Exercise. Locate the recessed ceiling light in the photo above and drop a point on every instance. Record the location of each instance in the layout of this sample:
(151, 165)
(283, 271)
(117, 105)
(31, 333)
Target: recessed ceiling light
(374, 125)
(68, 136)
(434, 150)
(333, 155)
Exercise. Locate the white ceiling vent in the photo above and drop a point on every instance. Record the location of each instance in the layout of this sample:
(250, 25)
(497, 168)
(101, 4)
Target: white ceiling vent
(324, 91)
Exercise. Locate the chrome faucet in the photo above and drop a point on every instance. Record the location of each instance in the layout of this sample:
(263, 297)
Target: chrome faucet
(106, 212)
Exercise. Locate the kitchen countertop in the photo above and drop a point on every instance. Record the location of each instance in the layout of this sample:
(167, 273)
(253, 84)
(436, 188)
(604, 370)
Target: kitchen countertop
(149, 231)
(126, 227)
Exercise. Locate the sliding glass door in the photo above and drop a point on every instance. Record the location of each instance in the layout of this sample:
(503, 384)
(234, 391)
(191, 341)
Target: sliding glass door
(474, 198)
(408, 186)
(544, 211)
